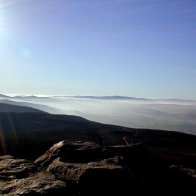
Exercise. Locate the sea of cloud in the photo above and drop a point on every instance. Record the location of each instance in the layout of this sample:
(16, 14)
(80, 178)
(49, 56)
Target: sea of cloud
(174, 115)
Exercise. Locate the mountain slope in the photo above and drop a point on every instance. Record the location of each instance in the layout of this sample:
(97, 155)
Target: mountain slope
(7, 108)
(36, 131)
(28, 104)
(167, 114)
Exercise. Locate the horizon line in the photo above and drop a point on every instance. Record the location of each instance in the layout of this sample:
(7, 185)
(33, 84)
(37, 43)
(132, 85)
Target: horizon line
(12, 95)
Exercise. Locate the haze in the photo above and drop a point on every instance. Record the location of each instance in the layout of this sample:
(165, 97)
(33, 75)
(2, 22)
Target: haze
(173, 115)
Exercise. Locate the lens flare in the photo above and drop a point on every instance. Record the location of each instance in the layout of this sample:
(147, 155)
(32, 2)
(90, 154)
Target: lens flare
(2, 140)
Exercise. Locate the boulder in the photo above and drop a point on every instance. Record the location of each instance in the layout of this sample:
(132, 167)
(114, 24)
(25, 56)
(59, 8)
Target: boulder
(41, 183)
(11, 168)
(86, 166)
(74, 152)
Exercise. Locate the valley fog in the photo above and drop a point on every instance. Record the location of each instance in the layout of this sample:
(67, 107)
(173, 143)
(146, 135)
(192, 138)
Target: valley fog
(174, 115)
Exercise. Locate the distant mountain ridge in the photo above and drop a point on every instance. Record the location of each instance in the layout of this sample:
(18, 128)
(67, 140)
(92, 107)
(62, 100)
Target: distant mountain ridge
(110, 97)
(115, 97)
(4, 96)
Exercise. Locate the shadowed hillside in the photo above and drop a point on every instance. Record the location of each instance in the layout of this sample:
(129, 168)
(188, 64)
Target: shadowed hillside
(7, 108)
(92, 157)
(34, 131)
(166, 114)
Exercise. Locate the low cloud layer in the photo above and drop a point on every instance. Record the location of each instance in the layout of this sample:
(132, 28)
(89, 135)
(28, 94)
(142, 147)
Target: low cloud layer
(174, 115)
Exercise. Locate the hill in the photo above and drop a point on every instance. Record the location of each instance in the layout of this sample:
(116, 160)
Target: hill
(32, 129)
(91, 158)
(7, 108)
(167, 114)
(39, 107)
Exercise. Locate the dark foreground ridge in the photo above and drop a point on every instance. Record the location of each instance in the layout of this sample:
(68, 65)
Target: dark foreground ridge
(85, 168)
(92, 158)
(24, 129)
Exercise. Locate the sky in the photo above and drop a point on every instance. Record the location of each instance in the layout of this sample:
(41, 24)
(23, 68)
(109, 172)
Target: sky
(139, 48)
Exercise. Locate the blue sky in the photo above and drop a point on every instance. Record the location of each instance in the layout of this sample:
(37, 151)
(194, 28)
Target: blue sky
(141, 48)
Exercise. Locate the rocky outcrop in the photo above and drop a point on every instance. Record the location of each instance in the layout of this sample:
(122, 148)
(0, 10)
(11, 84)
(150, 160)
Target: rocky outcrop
(85, 164)
(22, 177)
(75, 152)
(11, 168)
(84, 168)
(42, 183)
